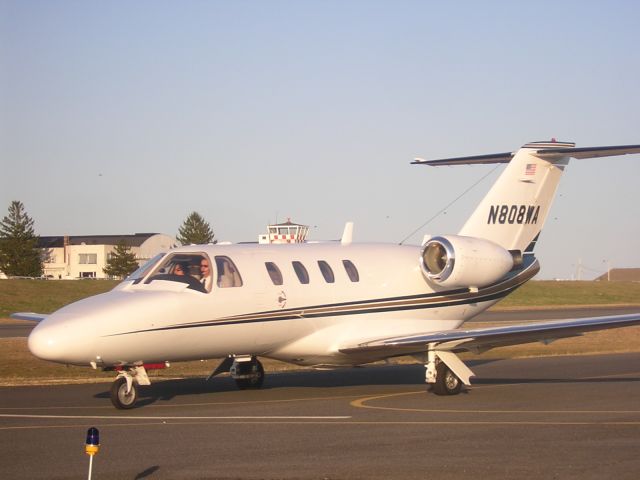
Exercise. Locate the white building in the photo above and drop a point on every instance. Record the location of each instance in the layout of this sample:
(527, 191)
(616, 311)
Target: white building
(68, 257)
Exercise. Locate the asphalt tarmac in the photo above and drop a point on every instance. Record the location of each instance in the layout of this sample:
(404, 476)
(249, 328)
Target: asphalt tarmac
(562, 417)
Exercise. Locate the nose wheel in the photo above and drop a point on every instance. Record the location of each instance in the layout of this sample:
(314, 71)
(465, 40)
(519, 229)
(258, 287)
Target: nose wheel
(124, 390)
(123, 396)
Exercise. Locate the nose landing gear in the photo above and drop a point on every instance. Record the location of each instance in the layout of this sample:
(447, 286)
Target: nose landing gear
(124, 391)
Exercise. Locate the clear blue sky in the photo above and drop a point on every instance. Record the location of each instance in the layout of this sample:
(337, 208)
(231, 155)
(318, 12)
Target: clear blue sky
(122, 117)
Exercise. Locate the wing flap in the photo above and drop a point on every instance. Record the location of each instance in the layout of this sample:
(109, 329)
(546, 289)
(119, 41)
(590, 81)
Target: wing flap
(486, 338)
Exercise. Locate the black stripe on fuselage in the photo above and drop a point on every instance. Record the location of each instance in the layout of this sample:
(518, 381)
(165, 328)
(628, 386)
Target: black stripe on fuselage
(422, 302)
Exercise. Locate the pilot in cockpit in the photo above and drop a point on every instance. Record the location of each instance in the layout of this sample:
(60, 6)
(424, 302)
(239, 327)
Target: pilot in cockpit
(205, 274)
(180, 269)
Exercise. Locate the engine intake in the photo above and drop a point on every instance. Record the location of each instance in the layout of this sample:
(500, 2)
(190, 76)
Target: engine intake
(458, 261)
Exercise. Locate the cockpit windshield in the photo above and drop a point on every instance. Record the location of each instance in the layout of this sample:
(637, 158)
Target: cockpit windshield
(141, 271)
(194, 269)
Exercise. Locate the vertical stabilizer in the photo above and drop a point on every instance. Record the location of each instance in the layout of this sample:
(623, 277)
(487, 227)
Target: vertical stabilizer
(515, 209)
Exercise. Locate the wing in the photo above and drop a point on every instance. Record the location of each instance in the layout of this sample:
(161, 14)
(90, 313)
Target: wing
(32, 317)
(482, 339)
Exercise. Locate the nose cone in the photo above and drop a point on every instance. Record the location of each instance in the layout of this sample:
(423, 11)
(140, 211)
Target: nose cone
(44, 342)
(62, 341)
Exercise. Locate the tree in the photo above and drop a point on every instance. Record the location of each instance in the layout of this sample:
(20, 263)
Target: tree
(195, 230)
(19, 252)
(121, 262)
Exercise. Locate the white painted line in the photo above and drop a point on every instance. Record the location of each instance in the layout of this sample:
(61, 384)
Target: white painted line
(231, 417)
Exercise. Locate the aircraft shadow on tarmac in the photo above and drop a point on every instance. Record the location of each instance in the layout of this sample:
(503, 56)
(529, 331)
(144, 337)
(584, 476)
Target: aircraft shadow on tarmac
(164, 390)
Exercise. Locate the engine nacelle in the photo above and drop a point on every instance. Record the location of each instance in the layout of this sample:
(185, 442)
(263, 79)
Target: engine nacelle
(457, 261)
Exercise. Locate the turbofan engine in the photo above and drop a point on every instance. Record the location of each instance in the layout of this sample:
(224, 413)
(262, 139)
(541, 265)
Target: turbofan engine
(457, 261)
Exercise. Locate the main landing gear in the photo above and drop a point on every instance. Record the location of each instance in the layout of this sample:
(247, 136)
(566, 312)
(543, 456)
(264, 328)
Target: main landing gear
(248, 374)
(246, 370)
(446, 381)
(445, 372)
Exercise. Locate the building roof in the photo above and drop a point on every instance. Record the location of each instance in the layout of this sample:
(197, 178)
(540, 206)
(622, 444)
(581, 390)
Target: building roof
(134, 240)
(621, 275)
(288, 223)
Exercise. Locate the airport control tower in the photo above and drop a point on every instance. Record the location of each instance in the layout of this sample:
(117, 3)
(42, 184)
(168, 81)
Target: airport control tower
(286, 232)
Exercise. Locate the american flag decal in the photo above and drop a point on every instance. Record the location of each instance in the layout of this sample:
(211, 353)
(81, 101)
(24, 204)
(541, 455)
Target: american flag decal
(531, 169)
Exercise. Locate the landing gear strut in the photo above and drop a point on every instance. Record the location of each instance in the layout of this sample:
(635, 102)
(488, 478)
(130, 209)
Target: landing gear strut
(247, 372)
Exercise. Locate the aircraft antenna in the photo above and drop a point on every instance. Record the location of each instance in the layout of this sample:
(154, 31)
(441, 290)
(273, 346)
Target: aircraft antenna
(448, 205)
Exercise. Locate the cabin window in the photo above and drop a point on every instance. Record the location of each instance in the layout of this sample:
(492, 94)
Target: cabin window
(228, 275)
(351, 270)
(326, 271)
(274, 273)
(301, 272)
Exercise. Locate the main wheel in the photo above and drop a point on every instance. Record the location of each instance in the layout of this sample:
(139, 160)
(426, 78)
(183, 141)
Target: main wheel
(446, 381)
(119, 396)
(256, 375)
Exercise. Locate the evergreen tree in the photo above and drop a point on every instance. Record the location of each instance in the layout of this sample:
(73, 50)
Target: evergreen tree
(122, 261)
(195, 230)
(19, 252)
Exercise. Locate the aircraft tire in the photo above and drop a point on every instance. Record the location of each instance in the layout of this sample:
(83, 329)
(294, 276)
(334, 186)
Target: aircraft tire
(120, 398)
(446, 381)
(255, 382)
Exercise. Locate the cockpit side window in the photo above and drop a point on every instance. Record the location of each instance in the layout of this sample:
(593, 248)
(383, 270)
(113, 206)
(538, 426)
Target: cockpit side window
(228, 275)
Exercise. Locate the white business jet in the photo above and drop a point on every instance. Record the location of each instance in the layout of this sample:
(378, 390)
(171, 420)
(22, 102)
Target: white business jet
(329, 304)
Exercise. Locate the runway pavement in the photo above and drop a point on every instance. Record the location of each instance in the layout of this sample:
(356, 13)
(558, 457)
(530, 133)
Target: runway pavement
(564, 417)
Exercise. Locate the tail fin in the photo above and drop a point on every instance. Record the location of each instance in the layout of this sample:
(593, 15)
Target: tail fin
(515, 209)
(513, 213)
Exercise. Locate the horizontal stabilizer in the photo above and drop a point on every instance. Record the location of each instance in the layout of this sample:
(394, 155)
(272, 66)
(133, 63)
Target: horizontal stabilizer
(589, 152)
(32, 317)
(473, 160)
(550, 151)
